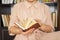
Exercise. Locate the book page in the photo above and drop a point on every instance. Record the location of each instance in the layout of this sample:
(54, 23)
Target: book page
(30, 23)
(27, 24)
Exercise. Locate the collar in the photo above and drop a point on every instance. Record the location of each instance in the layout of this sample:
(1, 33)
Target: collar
(27, 4)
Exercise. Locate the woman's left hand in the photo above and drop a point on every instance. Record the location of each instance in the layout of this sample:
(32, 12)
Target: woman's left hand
(46, 28)
(28, 32)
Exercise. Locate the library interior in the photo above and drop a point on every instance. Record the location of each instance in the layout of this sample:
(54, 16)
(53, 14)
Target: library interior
(5, 12)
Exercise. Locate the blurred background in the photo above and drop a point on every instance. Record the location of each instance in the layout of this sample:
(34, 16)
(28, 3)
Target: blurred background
(5, 11)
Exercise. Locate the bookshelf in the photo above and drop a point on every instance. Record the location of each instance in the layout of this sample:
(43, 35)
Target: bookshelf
(6, 8)
(51, 4)
(0, 21)
(53, 8)
(47, 1)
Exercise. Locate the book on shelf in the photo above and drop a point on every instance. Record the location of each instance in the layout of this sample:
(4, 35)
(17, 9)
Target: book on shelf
(55, 0)
(5, 19)
(7, 1)
(28, 24)
(51, 0)
(15, 1)
(47, 1)
(18, 1)
(40, 1)
(54, 19)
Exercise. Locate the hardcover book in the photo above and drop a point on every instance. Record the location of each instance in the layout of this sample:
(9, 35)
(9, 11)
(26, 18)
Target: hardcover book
(28, 25)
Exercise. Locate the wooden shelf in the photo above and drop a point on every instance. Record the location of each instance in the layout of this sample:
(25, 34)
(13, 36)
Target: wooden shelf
(6, 10)
(51, 3)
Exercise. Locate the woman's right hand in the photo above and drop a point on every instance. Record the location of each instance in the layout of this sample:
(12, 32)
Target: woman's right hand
(15, 30)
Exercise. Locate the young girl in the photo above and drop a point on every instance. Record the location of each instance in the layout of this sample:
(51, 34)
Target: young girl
(37, 11)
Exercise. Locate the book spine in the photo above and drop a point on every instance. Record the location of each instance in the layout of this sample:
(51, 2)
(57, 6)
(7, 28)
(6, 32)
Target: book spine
(18, 1)
(46, 0)
(35, 26)
(43, 1)
(4, 20)
(40, 1)
(7, 1)
(54, 18)
(51, 0)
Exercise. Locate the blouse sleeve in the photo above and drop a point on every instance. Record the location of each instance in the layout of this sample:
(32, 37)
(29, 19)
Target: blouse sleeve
(48, 17)
(13, 17)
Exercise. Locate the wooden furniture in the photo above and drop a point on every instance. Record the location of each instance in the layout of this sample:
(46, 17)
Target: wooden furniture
(58, 28)
(4, 31)
(4, 35)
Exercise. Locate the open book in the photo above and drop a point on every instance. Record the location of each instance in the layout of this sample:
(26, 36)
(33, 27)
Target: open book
(28, 24)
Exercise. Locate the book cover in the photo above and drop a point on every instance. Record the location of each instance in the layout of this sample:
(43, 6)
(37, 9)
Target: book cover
(43, 1)
(5, 19)
(7, 1)
(51, 0)
(40, 1)
(54, 18)
(46, 0)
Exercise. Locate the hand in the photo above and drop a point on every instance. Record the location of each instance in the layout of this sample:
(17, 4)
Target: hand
(28, 32)
(46, 28)
(15, 30)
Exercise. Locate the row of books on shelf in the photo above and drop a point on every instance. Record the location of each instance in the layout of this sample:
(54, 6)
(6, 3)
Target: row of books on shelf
(6, 19)
(18, 1)
(7, 1)
(48, 1)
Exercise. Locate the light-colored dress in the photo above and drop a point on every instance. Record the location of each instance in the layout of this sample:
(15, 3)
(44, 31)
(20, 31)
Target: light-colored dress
(40, 11)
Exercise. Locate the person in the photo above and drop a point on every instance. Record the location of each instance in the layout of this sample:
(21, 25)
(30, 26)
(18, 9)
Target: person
(37, 11)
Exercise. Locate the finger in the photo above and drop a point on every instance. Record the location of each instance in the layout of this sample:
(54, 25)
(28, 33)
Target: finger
(28, 32)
